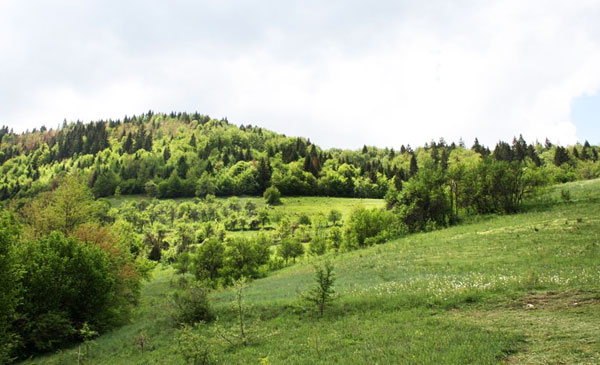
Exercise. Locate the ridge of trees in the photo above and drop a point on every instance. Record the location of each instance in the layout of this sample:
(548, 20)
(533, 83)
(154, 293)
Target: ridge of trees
(189, 154)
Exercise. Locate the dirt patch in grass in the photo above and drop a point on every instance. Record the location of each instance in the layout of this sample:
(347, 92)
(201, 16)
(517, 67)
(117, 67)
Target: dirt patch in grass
(555, 300)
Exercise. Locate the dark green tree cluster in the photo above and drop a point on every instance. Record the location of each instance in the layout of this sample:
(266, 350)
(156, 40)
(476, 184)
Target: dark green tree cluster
(62, 273)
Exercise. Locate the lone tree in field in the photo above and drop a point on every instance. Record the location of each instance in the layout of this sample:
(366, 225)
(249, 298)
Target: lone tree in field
(334, 216)
(322, 293)
(272, 196)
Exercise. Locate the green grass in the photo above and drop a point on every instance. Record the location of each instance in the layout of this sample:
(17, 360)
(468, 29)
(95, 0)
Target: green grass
(520, 289)
(291, 206)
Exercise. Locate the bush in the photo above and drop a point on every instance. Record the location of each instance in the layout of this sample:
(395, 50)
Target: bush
(334, 216)
(290, 248)
(317, 245)
(565, 195)
(191, 305)
(334, 239)
(193, 346)
(66, 284)
(304, 219)
(244, 258)
(272, 196)
(208, 260)
(424, 199)
(322, 293)
(365, 227)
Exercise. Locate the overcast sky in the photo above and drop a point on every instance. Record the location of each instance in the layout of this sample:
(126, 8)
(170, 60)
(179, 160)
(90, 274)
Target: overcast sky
(343, 73)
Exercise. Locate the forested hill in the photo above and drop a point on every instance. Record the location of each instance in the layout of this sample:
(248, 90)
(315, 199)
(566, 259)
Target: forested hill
(175, 155)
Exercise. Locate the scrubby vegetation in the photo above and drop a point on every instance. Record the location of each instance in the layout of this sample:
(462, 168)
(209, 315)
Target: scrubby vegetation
(64, 274)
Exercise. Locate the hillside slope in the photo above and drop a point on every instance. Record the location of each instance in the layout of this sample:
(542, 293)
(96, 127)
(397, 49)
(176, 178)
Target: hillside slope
(519, 288)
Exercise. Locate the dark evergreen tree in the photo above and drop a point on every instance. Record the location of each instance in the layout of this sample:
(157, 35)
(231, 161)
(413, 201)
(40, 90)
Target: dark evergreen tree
(503, 152)
(148, 143)
(413, 165)
(264, 172)
(182, 167)
(128, 144)
(561, 156)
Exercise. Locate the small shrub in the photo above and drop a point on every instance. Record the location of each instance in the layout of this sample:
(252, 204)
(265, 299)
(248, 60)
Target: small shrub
(193, 346)
(191, 305)
(239, 334)
(334, 216)
(272, 196)
(334, 239)
(565, 195)
(304, 219)
(317, 246)
(322, 293)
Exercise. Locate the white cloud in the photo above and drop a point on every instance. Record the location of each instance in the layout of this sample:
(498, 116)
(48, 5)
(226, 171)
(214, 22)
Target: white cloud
(343, 75)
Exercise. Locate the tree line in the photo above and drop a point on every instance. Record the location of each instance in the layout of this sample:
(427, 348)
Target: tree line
(191, 155)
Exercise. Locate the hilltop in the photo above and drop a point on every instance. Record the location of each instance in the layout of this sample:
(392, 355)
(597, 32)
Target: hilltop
(189, 154)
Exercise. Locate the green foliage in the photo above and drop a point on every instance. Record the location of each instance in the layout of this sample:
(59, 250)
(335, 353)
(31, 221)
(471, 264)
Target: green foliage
(423, 199)
(322, 293)
(500, 186)
(457, 295)
(66, 283)
(71, 272)
(10, 288)
(304, 219)
(193, 346)
(208, 260)
(244, 257)
(272, 196)
(290, 248)
(565, 195)
(334, 239)
(317, 245)
(106, 184)
(191, 305)
(334, 216)
(215, 157)
(63, 209)
(366, 227)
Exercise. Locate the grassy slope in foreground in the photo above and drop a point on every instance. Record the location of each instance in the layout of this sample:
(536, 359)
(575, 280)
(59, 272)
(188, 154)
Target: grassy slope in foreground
(458, 295)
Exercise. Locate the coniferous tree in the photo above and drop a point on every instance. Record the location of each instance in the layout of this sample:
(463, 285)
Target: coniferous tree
(148, 143)
(166, 154)
(264, 172)
(128, 144)
(182, 167)
(413, 165)
(561, 156)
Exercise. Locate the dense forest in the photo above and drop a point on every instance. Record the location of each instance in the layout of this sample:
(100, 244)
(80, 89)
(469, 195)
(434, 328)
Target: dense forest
(71, 265)
(187, 155)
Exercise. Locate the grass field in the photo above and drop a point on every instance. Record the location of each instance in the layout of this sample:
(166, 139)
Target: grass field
(518, 289)
(292, 206)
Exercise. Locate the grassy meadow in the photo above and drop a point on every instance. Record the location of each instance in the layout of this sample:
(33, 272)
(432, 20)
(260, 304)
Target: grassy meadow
(520, 288)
